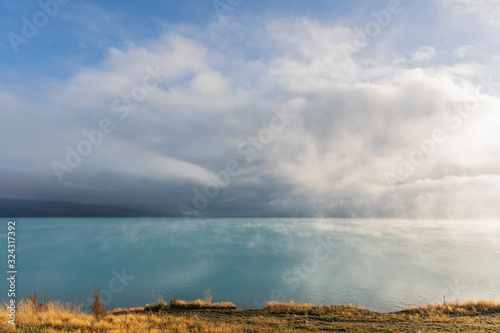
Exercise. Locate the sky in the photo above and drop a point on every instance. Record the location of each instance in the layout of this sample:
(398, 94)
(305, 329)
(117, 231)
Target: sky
(229, 108)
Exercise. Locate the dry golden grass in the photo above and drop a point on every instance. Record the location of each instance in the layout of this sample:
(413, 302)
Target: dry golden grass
(59, 317)
(201, 304)
(455, 308)
(205, 316)
(119, 311)
(291, 307)
(306, 308)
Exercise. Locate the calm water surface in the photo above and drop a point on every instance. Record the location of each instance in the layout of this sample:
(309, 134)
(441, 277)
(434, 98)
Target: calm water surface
(382, 265)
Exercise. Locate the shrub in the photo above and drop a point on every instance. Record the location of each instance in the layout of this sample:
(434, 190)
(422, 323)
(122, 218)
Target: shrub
(33, 302)
(98, 309)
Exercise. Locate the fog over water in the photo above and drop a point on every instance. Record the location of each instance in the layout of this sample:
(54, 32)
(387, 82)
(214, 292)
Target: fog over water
(382, 265)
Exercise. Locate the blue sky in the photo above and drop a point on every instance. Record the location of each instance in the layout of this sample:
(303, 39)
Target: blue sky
(329, 108)
(83, 30)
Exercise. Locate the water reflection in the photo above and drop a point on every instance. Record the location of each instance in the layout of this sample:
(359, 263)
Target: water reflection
(380, 264)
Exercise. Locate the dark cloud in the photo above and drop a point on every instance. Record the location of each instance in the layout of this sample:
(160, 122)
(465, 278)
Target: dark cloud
(314, 131)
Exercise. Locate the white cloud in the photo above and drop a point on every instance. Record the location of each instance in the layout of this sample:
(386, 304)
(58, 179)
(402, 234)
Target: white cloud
(486, 11)
(424, 53)
(357, 117)
(130, 160)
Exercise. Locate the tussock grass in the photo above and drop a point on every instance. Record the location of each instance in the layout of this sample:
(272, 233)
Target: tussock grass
(201, 304)
(205, 303)
(66, 317)
(292, 307)
(120, 311)
(204, 316)
(306, 308)
(455, 308)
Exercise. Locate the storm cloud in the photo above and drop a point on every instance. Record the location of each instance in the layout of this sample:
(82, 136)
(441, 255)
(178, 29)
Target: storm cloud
(269, 117)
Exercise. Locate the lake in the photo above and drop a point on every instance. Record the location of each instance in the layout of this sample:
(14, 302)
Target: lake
(383, 265)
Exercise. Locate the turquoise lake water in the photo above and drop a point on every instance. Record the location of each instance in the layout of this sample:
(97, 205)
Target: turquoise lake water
(382, 265)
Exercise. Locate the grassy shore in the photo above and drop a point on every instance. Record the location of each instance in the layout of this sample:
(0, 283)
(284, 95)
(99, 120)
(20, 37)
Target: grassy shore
(205, 316)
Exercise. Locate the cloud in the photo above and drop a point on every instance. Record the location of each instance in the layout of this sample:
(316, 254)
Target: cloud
(486, 11)
(423, 54)
(357, 118)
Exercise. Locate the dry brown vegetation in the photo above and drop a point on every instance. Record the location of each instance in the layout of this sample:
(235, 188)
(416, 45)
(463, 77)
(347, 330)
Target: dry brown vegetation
(205, 316)
(98, 309)
(60, 317)
(201, 304)
(309, 309)
(455, 308)
(205, 303)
